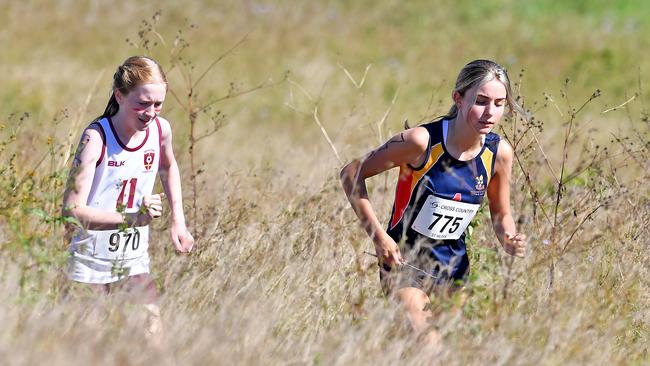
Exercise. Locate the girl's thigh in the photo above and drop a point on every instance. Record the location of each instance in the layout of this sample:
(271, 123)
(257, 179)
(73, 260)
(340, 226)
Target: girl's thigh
(139, 288)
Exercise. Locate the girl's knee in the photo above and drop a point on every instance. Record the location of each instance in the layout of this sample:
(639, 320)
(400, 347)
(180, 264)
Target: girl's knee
(413, 299)
(144, 288)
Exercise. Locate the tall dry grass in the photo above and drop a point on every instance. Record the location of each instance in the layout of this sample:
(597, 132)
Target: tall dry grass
(279, 275)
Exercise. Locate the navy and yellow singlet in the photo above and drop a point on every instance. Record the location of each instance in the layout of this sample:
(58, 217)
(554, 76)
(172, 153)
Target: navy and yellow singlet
(435, 202)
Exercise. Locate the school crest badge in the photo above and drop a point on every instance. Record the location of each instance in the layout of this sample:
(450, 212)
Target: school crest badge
(479, 183)
(149, 157)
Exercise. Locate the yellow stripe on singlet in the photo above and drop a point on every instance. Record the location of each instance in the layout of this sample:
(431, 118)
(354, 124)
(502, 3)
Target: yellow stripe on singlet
(434, 155)
(409, 180)
(486, 157)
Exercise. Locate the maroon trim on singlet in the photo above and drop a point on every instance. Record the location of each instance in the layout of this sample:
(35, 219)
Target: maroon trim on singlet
(159, 134)
(101, 131)
(117, 138)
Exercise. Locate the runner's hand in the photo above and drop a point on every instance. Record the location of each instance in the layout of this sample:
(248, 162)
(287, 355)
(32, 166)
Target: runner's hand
(153, 205)
(150, 209)
(388, 251)
(515, 244)
(181, 237)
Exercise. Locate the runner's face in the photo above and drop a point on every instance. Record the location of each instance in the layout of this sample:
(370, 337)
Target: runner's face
(484, 113)
(142, 104)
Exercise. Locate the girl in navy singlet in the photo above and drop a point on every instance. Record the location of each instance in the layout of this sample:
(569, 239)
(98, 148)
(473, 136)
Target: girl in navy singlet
(446, 168)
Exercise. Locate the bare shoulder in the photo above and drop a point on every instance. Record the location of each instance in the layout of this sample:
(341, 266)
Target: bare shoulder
(505, 155)
(92, 138)
(93, 132)
(414, 139)
(418, 136)
(505, 151)
(406, 147)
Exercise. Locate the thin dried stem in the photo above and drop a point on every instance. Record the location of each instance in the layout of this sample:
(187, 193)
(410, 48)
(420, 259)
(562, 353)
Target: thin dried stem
(262, 85)
(579, 226)
(80, 117)
(619, 106)
(327, 137)
(218, 59)
(381, 122)
(359, 84)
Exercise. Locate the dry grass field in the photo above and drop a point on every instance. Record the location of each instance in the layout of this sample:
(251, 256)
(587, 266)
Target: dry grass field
(267, 101)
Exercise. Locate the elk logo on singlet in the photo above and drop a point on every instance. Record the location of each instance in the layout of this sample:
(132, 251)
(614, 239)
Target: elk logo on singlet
(115, 164)
(149, 156)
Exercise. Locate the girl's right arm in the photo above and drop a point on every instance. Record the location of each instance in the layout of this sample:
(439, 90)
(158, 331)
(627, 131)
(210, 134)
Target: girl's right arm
(408, 147)
(80, 180)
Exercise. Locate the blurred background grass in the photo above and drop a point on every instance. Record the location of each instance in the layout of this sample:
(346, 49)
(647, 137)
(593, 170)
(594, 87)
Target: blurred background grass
(52, 49)
(279, 276)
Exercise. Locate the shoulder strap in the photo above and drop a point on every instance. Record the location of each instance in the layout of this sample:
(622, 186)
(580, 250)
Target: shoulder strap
(159, 133)
(101, 131)
(492, 142)
(489, 155)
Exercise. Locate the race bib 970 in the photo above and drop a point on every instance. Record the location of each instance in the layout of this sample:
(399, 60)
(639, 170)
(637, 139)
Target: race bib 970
(444, 219)
(125, 244)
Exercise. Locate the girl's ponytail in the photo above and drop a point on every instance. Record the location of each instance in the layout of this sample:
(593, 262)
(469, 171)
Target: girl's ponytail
(111, 108)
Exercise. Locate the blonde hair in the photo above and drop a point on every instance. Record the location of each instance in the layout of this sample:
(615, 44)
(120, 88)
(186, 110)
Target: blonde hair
(135, 71)
(477, 73)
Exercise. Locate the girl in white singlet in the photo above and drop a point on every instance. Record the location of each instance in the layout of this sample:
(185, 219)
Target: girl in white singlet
(109, 192)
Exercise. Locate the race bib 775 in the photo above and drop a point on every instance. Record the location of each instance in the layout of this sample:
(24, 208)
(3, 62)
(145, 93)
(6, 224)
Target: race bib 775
(444, 219)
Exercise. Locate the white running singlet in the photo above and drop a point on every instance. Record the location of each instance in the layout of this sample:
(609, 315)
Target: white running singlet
(123, 176)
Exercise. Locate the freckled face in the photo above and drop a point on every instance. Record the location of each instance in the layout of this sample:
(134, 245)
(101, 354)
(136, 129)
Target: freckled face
(142, 104)
(484, 113)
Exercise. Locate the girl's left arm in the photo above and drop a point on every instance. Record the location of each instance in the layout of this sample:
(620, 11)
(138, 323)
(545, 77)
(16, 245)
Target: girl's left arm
(171, 181)
(498, 193)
